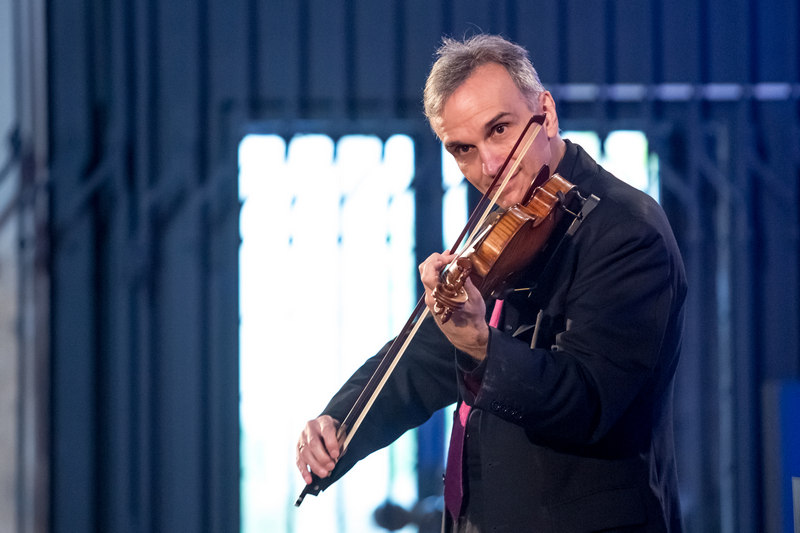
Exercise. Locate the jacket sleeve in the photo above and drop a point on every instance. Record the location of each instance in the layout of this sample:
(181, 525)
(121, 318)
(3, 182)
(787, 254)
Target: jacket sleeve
(623, 297)
(422, 383)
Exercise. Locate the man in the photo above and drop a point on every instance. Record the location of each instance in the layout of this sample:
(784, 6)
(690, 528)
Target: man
(569, 425)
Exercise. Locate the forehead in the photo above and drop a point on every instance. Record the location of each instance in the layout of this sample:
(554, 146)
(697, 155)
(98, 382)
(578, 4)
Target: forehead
(486, 93)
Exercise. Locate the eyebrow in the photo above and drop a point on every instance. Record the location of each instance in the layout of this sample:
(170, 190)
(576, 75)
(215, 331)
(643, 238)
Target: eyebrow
(487, 127)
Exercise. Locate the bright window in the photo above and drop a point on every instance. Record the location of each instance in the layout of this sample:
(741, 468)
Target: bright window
(326, 277)
(625, 154)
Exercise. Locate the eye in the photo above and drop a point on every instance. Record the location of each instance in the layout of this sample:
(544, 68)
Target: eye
(500, 128)
(462, 149)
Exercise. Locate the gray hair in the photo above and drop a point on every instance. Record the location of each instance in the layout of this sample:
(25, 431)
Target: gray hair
(456, 60)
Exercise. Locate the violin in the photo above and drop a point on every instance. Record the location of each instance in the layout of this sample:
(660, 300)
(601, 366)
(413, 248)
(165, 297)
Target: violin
(504, 246)
(509, 242)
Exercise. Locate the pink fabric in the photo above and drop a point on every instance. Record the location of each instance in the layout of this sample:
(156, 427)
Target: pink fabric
(453, 478)
(498, 308)
(463, 413)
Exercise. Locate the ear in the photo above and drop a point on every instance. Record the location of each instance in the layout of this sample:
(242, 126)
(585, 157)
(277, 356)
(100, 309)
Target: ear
(548, 106)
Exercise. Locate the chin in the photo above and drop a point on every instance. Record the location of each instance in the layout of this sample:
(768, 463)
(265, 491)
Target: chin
(504, 204)
(508, 201)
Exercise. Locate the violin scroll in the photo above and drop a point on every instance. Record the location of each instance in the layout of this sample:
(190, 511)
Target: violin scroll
(449, 293)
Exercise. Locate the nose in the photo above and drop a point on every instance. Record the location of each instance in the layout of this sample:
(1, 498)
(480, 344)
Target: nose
(491, 160)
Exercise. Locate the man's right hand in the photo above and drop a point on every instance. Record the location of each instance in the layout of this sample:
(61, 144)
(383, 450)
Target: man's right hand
(317, 448)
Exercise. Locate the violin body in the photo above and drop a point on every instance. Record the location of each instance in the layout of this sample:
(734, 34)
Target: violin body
(504, 247)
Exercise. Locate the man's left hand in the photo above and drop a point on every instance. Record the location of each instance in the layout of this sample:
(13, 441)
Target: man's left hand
(467, 328)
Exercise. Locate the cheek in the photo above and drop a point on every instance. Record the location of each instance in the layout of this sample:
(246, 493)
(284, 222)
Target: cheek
(475, 183)
(534, 161)
(467, 168)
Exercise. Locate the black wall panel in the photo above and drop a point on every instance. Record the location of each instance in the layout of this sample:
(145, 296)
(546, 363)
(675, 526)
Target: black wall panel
(149, 99)
(630, 41)
(682, 32)
(539, 27)
(423, 24)
(586, 34)
(727, 41)
(278, 41)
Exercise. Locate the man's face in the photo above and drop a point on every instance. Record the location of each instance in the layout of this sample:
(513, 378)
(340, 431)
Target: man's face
(480, 123)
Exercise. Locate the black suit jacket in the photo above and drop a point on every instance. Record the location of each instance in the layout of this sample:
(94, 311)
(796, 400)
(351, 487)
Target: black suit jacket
(574, 429)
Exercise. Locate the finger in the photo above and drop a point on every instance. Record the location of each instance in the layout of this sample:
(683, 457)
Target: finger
(312, 457)
(299, 461)
(316, 445)
(425, 264)
(472, 291)
(475, 303)
(430, 268)
(318, 457)
(436, 260)
(330, 440)
(302, 466)
(301, 456)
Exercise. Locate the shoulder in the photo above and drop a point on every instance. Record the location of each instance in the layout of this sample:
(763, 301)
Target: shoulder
(621, 203)
(622, 206)
(625, 221)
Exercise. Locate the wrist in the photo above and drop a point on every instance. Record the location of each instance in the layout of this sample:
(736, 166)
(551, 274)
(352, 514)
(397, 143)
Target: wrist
(478, 348)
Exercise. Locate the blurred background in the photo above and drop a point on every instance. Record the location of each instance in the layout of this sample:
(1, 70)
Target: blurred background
(211, 212)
